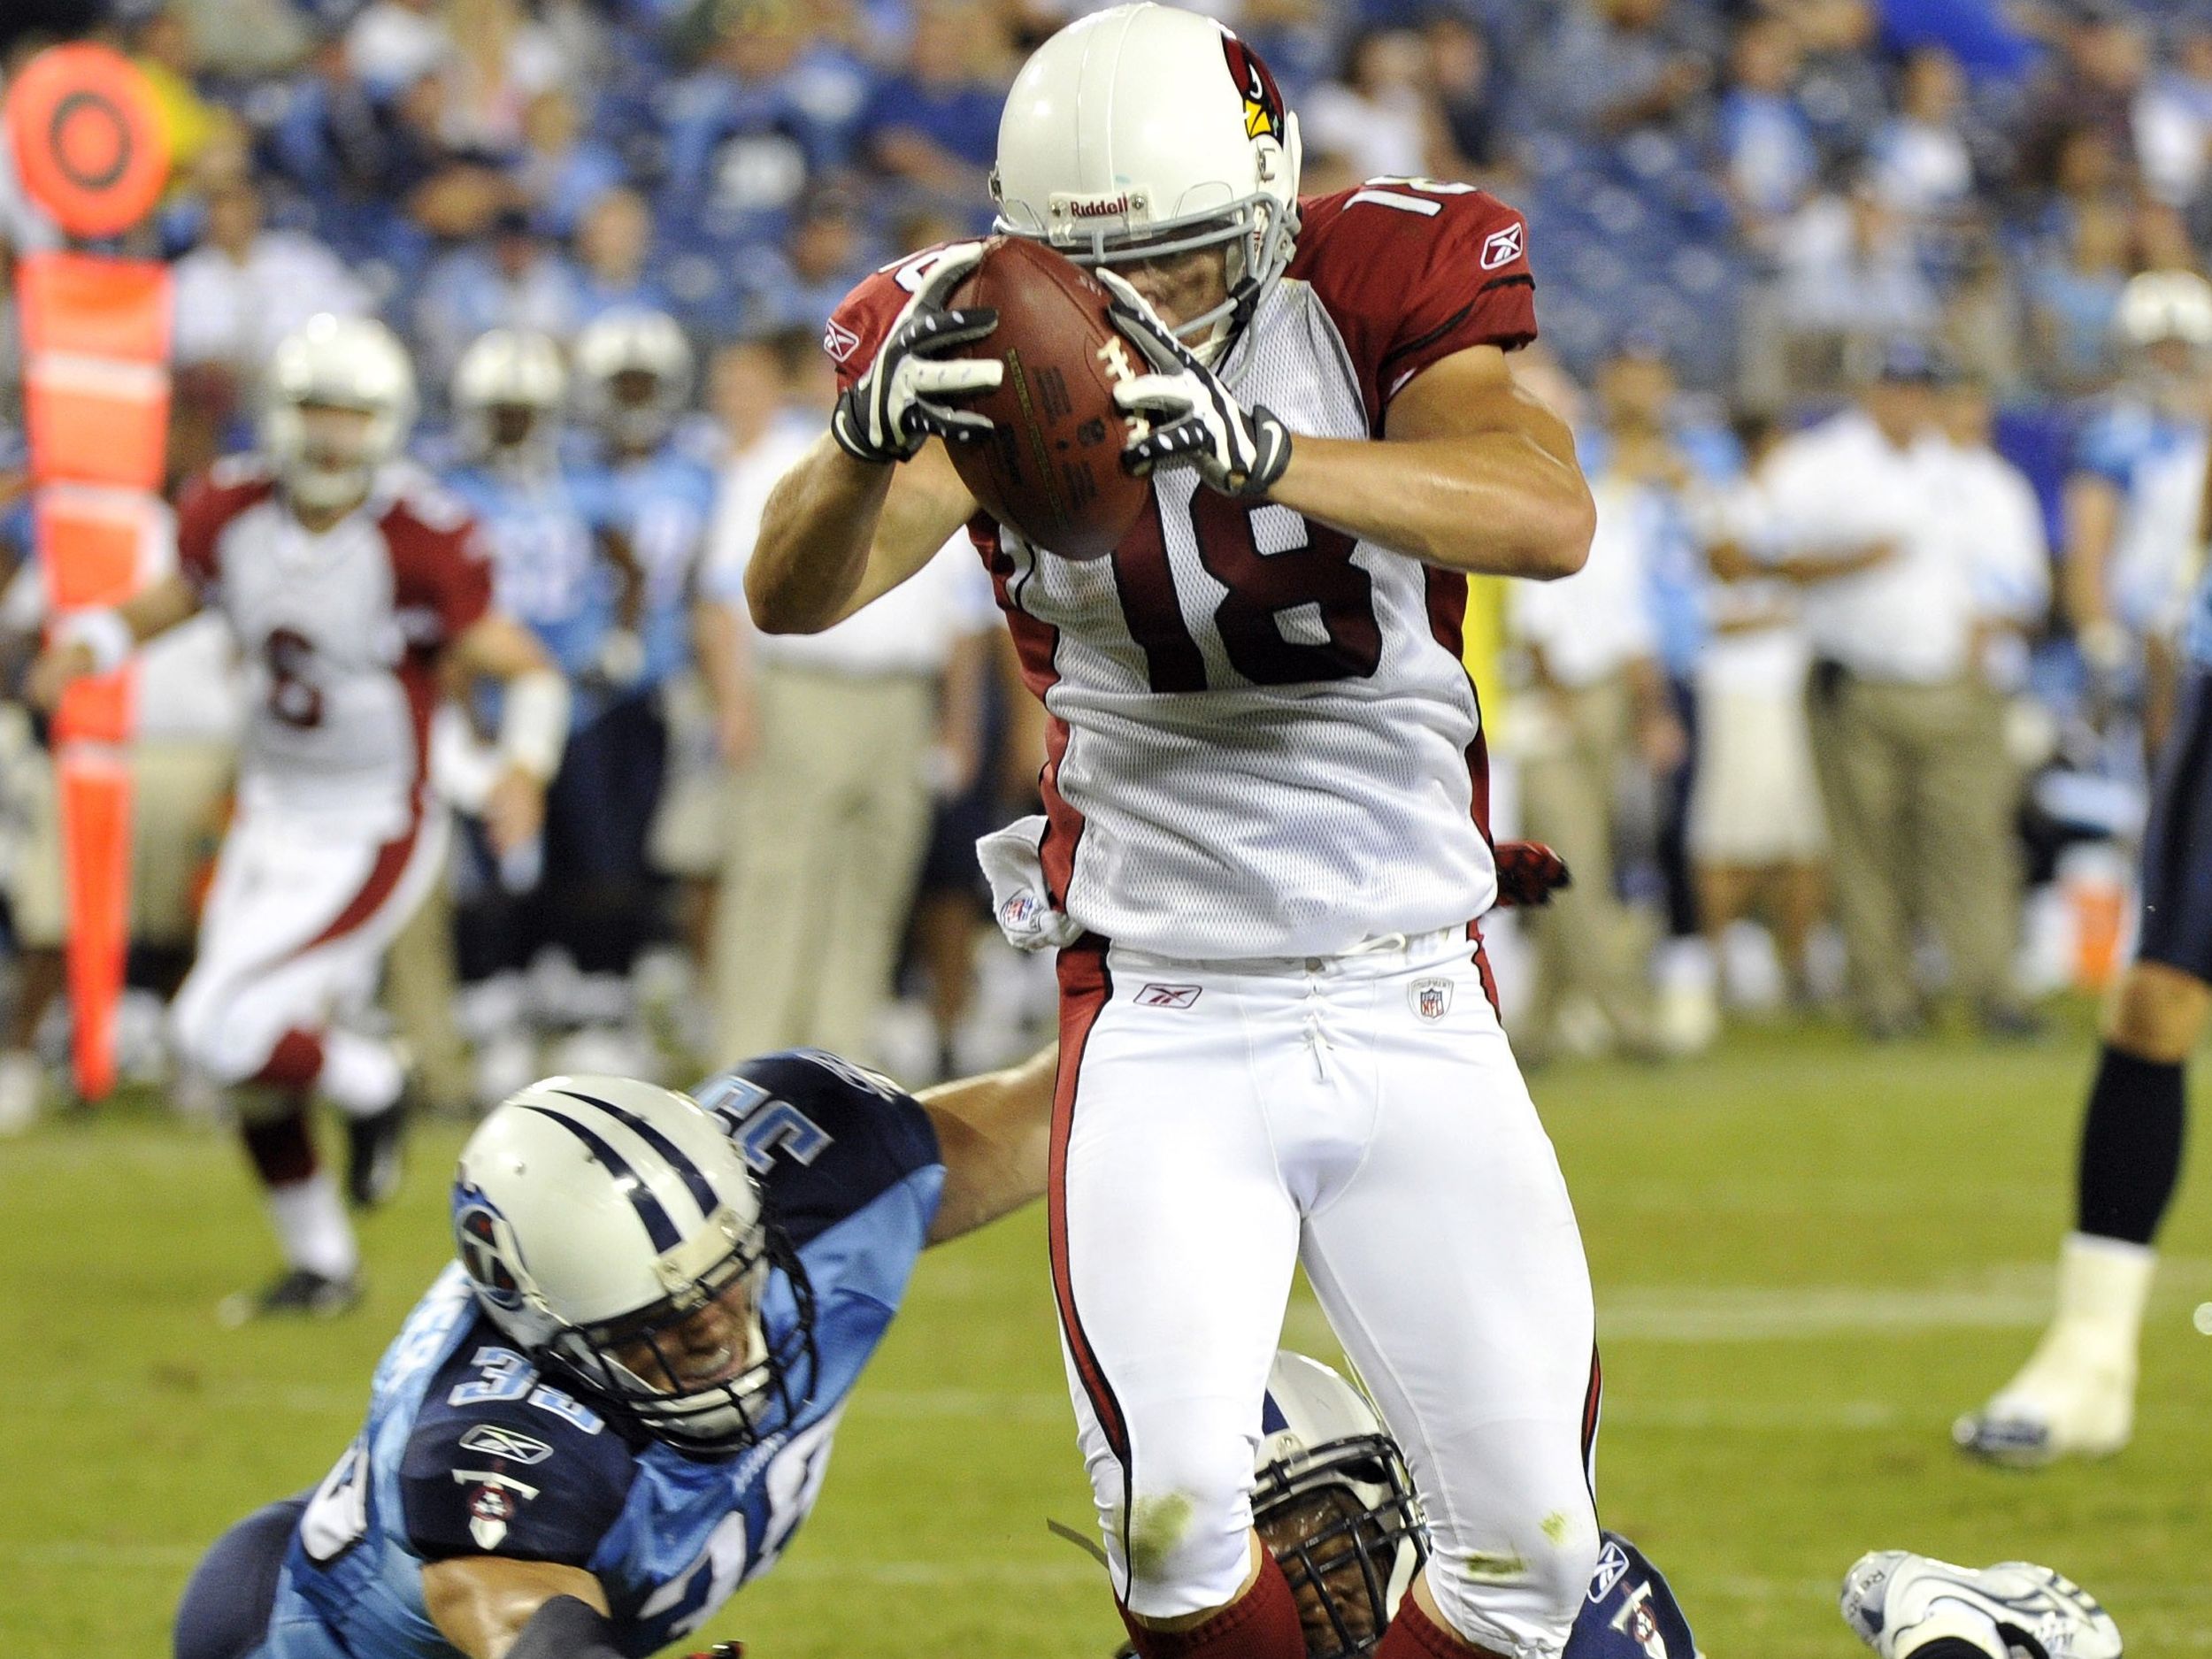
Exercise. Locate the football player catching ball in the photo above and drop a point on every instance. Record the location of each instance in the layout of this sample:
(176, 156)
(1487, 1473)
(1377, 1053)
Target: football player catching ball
(1265, 849)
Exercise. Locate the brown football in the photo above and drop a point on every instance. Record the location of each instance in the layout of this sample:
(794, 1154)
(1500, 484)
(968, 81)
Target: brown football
(1052, 470)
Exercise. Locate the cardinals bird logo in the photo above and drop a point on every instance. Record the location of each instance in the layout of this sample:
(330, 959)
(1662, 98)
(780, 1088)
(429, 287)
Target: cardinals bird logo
(1263, 104)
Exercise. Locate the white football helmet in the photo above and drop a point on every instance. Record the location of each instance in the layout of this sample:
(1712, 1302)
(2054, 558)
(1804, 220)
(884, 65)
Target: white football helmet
(1146, 131)
(351, 363)
(1333, 1503)
(2166, 306)
(510, 369)
(598, 1219)
(632, 341)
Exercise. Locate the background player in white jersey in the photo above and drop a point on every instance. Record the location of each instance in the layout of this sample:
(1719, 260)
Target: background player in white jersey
(1265, 847)
(350, 583)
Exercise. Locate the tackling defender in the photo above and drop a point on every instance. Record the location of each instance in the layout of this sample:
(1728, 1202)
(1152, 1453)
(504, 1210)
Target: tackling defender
(1332, 1504)
(1265, 845)
(617, 1407)
(351, 582)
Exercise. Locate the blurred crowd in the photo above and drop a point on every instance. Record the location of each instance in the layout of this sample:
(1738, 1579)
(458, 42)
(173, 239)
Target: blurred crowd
(1874, 319)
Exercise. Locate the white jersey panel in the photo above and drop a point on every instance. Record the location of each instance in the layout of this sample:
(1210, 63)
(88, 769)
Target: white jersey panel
(1228, 817)
(331, 729)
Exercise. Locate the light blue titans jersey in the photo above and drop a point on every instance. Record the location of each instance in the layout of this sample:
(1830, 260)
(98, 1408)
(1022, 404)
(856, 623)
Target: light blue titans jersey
(546, 568)
(2157, 464)
(662, 503)
(468, 1450)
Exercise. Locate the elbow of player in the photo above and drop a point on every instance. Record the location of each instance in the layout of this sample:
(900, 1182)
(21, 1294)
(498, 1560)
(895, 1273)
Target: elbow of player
(774, 612)
(1562, 546)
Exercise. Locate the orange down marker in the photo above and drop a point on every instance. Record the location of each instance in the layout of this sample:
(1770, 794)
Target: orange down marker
(89, 151)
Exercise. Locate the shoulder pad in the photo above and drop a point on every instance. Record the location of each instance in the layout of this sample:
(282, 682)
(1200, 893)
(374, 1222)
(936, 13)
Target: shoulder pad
(827, 1137)
(1412, 271)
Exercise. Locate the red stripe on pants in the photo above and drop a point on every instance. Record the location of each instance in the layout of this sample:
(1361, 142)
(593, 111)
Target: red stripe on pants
(1085, 989)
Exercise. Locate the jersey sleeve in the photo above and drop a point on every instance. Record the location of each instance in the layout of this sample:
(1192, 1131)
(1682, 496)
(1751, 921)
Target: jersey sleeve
(1413, 272)
(864, 318)
(440, 563)
(499, 1464)
(1629, 1612)
(830, 1140)
(205, 511)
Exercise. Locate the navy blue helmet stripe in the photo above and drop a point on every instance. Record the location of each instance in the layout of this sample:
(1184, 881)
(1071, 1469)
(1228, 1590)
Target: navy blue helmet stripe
(658, 1227)
(1271, 1419)
(695, 1178)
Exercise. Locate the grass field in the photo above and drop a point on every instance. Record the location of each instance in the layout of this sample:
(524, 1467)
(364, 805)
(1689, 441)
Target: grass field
(1809, 1256)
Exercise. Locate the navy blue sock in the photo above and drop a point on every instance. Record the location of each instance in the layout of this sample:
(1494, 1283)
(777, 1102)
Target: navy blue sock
(2131, 1147)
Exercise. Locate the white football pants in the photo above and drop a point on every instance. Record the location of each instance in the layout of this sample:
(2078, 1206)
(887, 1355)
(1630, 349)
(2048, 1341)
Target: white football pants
(1217, 1123)
(297, 925)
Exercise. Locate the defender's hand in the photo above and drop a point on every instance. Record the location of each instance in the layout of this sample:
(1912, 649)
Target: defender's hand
(1529, 874)
(1194, 420)
(58, 667)
(894, 407)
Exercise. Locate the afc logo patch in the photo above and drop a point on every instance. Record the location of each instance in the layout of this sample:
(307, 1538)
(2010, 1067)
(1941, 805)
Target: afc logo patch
(839, 340)
(1430, 999)
(1501, 247)
(1167, 995)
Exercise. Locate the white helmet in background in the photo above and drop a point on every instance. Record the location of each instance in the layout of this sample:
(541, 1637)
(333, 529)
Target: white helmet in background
(2164, 322)
(1333, 1503)
(615, 354)
(599, 1219)
(2166, 306)
(1145, 131)
(341, 363)
(510, 369)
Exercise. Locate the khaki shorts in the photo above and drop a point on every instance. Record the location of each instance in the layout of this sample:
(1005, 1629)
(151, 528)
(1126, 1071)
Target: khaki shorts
(690, 834)
(178, 790)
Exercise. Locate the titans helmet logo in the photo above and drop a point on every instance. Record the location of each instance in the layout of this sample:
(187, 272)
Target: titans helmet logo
(1263, 104)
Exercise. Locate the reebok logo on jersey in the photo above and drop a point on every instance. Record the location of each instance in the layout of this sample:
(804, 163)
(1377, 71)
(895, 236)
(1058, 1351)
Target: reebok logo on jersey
(1612, 1568)
(839, 340)
(495, 1441)
(1501, 247)
(1167, 995)
(1430, 999)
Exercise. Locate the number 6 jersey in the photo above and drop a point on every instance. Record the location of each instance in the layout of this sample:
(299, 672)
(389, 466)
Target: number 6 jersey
(1263, 740)
(341, 633)
(469, 1450)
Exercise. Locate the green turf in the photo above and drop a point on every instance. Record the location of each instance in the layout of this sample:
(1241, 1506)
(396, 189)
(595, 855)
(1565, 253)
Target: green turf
(1809, 1256)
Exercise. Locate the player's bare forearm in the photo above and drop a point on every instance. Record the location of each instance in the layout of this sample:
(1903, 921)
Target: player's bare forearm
(1474, 474)
(170, 601)
(497, 647)
(2091, 515)
(838, 534)
(615, 547)
(481, 1603)
(993, 1133)
(1807, 570)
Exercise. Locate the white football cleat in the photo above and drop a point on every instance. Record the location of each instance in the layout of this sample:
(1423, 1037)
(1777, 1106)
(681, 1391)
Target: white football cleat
(2065, 1403)
(2075, 1395)
(1902, 1604)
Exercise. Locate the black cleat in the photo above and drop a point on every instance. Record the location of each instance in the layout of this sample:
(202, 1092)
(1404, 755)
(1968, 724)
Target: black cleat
(301, 1293)
(375, 1152)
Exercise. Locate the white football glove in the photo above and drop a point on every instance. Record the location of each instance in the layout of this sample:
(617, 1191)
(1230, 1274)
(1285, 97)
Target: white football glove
(1196, 421)
(891, 410)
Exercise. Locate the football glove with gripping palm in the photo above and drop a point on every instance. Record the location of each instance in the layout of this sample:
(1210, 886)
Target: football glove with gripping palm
(1194, 420)
(894, 408)
(1529, 874)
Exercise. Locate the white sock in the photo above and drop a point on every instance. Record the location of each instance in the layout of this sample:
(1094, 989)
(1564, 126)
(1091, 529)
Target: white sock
(311, 1227)
(360, 1076)
(2103, 1285)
